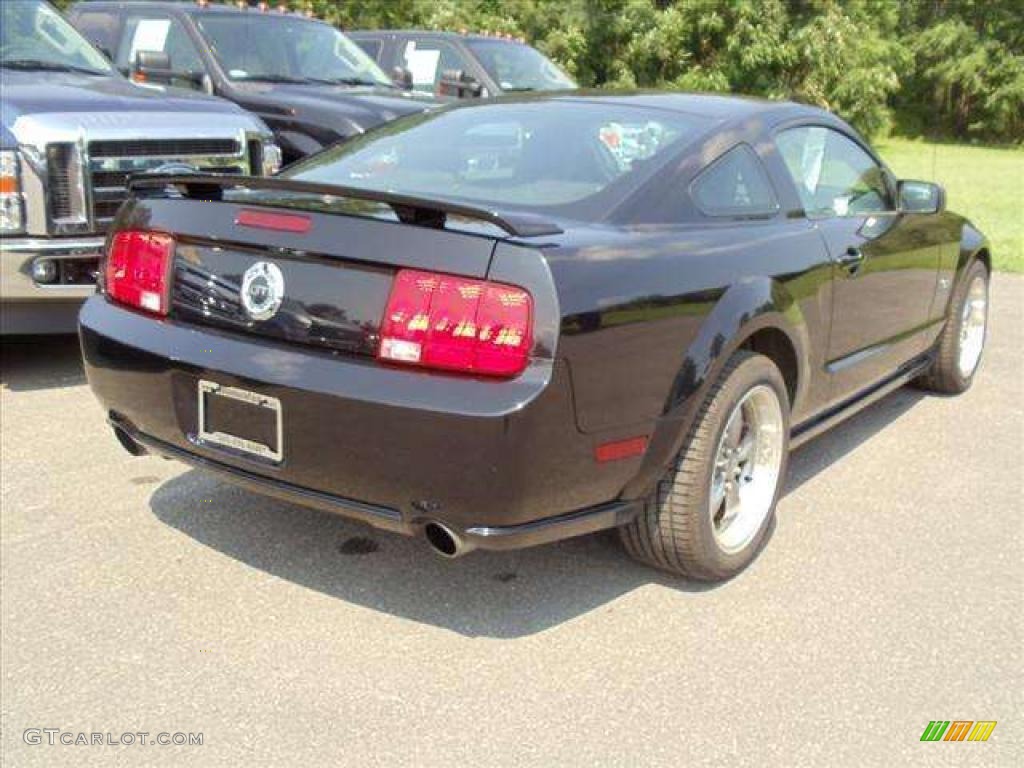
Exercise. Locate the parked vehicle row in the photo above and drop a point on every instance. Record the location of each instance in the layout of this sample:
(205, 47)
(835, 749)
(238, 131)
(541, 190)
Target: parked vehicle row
(304, 78)
(510, 322)
(73, 131)
(312, 84)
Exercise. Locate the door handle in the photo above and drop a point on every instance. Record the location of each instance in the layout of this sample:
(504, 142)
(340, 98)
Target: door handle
(851, 259)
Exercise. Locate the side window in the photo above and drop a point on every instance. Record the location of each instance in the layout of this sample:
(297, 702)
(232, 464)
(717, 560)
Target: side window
(428, 59)
(100, 29)
(734, 185)
(159, 33)
(832, 174)
(371, 48)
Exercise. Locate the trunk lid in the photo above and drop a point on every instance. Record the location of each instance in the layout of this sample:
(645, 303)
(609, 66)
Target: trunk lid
(302, 275)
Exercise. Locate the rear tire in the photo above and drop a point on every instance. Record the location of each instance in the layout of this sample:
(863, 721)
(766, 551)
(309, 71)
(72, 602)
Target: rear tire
(695, 523)
(959, 350)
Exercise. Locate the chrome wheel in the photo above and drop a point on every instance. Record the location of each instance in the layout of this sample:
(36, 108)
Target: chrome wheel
(746, 469)
(973, 324)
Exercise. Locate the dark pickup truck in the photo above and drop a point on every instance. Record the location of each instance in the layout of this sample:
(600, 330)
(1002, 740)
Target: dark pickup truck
(311, 84)
(73, 131)
(454, 65)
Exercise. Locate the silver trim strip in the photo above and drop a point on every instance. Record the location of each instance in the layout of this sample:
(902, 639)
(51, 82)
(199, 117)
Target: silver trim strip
(53, 247)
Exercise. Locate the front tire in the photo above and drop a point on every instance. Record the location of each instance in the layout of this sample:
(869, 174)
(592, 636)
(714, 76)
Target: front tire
(712, 511)
(962, 341)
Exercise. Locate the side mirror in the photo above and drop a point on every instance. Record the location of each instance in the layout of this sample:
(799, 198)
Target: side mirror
(402, 77)
(152, 66)
(921, 197)
(460, 84)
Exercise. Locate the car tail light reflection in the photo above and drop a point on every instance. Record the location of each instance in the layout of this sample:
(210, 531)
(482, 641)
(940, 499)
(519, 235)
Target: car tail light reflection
(457, 324)
(138, 270)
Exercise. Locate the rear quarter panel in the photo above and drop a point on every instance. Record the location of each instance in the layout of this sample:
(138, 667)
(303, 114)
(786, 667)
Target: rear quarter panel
(649, 317)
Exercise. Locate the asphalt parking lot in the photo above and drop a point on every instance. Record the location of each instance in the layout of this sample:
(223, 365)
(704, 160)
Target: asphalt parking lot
(141, 596)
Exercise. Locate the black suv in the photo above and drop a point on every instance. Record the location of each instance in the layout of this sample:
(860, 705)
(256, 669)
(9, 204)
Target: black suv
(457, 65)
(311, 84)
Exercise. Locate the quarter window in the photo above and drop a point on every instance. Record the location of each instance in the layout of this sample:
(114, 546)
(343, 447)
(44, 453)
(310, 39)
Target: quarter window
(833, 175)
(370, 47)
(735, 185)
(99, 28)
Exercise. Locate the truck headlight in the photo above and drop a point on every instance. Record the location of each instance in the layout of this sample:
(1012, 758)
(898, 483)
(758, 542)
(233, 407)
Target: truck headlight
(12, 218)
(271, 158)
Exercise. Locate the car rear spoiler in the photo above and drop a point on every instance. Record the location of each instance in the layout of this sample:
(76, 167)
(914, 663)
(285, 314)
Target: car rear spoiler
(409, 209)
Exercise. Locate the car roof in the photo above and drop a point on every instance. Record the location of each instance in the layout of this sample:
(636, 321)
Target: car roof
(442, 33)
(191, 8)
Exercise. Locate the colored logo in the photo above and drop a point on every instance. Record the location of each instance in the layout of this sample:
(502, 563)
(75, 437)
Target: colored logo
(958, 730)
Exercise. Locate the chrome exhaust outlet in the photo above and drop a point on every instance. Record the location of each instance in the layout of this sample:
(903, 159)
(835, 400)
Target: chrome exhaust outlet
(134, 448)
(444, 541)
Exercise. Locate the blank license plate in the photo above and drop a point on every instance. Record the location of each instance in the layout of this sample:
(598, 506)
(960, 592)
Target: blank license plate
(244, 421)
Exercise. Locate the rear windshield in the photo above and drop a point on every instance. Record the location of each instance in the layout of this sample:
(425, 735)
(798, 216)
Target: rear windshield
(530, 155)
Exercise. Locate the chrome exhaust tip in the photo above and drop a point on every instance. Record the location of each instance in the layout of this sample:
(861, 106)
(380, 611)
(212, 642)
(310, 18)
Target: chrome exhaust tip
(444, 541)
(130, 445)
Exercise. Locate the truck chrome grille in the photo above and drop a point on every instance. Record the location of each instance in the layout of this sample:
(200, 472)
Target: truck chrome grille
(58, 169)
(163, 148)
(111, 163)
(65, 200)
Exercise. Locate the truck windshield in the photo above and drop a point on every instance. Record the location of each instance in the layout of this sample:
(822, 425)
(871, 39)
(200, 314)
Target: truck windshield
(518, 67)
(535, 154)
(287, 49)
(33, 36)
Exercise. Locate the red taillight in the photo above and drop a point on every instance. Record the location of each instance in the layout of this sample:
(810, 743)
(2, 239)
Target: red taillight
(139, 269)
(457, 324)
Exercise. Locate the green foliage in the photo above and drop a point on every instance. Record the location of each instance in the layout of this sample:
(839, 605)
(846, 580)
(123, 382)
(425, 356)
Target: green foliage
(946, 68)
(985, 184)
(969, 68)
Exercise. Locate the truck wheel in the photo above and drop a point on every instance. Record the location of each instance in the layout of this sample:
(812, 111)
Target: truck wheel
(712, 511)
(959, 348)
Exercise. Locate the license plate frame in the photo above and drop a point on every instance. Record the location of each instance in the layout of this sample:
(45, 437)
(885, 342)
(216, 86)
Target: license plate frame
(245, 446)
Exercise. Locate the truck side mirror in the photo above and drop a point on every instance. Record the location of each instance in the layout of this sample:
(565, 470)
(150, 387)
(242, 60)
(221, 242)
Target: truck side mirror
(460, 84)
(152, 66)
(402, 77)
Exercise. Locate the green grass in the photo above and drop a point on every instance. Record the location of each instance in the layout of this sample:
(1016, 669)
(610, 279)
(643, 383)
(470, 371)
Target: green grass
(984, 184)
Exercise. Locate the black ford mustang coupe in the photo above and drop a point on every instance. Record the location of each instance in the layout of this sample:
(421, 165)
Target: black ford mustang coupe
(507, 323)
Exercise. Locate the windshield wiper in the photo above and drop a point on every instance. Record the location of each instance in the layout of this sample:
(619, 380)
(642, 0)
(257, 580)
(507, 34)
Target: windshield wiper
(277, 79)
(350, 81)
(49, 66)
(519, 89)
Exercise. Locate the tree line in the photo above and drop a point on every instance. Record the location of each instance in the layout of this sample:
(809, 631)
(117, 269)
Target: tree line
(948, 69)
(939, 68)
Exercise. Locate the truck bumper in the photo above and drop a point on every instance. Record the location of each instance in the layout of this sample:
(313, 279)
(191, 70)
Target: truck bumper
(31, 307)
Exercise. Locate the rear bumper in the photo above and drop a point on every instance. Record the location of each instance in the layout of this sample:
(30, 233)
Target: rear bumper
(502, 463)
(495, 538)
(29, 307)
